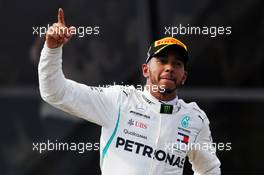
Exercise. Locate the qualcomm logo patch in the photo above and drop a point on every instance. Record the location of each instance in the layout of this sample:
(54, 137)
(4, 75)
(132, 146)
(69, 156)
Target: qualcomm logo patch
(185, 121)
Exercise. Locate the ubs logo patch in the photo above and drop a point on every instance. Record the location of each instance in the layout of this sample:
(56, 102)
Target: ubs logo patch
(137, 124)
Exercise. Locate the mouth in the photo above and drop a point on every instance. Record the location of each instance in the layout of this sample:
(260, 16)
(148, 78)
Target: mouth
(168, 78)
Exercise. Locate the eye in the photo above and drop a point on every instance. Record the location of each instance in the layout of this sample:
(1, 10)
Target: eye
(178, 63)
(162, 60)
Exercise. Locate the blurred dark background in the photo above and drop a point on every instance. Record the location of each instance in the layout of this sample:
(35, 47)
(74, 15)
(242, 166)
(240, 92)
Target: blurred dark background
(225, 75)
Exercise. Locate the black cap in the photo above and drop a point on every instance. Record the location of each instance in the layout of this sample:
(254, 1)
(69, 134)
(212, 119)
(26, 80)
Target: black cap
(167, 42)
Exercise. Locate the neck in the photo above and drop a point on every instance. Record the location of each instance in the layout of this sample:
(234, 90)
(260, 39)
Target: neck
(161, 95)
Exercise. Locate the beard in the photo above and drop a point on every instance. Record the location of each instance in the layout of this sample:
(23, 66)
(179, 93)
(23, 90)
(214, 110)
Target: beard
(168, 91)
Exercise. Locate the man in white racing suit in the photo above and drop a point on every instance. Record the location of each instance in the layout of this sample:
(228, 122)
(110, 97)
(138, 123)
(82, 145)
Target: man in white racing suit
(143, 132)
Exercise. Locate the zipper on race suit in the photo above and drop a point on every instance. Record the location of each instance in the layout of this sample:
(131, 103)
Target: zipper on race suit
(156, 144)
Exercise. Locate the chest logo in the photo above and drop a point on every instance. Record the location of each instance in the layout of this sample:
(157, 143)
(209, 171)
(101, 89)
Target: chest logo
(166, 109)
(137, 124)
(185, 121)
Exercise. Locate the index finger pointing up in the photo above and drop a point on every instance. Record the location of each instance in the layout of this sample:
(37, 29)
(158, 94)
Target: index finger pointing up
(61, 16)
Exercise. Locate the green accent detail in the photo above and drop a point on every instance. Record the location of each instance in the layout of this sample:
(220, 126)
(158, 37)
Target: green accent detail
(111, 138)
(185, 121)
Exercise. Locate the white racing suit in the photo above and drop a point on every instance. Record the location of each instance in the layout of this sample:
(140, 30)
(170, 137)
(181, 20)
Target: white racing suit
(140, 135)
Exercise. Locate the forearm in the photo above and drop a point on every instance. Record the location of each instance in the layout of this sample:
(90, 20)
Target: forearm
(51, 79)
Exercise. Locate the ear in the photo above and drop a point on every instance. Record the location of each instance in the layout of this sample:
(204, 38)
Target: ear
(145, 70)
(185, 75)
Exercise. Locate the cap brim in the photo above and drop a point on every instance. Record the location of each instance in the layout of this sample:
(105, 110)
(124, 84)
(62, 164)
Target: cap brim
(179, 49)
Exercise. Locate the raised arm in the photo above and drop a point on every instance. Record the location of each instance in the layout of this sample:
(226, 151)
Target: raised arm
(98, 105)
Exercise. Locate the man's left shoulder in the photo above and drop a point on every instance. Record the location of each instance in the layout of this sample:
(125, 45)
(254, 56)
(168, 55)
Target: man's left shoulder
(194, 110)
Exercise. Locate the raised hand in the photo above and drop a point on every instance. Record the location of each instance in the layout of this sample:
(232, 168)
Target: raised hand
(58, 34)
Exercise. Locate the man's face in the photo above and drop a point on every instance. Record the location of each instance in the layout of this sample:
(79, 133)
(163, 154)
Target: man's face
(166, 71)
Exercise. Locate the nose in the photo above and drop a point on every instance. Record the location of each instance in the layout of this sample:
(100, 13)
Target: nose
(169, 68)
